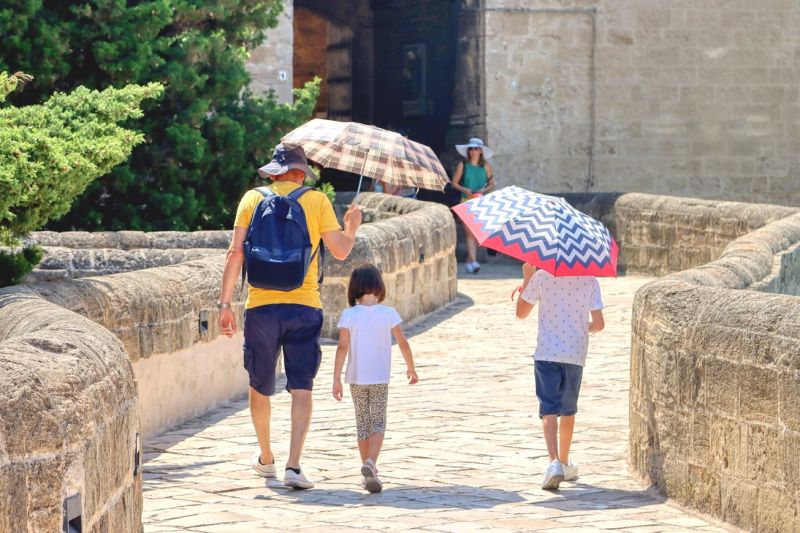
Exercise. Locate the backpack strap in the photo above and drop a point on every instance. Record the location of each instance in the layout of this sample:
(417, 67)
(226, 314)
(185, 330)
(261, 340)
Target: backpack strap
(265, 192)
(298, 192)
(295, 195)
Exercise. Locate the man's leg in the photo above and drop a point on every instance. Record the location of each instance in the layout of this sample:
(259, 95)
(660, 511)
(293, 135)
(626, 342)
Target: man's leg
(565, 437)
(260, 411)
(301, 418)
(260, 359)
(550, 427)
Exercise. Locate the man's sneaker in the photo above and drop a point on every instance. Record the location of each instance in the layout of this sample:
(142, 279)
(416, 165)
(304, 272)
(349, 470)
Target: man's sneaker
(468, 267)
(553, 476)
(262, 470)
(371, 481)
(570, 471)
(476, 267)
(296, 480)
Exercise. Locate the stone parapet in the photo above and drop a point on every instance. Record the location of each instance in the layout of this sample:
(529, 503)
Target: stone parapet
(132, 240)
(68, 420)
(715, 366)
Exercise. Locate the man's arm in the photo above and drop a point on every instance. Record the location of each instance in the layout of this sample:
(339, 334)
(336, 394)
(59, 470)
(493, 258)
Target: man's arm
(340, 242)
(231, 272)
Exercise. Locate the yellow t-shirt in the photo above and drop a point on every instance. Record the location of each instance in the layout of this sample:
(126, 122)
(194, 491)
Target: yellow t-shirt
(320, 218)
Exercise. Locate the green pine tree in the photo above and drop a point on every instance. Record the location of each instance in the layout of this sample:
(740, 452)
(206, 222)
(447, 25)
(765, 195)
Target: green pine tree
(205, 138)
(50, 153)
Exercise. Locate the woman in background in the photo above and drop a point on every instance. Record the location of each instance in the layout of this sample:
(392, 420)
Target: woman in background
(473, 177)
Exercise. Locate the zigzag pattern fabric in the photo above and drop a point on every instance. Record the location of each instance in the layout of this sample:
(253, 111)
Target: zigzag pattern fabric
(369, 151)
(541, 230)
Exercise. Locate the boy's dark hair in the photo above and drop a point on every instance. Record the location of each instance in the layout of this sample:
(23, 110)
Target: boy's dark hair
(365, 279)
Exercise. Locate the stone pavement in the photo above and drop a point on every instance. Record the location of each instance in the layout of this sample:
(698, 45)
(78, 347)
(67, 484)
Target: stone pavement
(463, 450)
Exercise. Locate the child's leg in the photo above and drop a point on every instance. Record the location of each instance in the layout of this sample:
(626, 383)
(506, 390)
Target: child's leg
(550, 427)
(571, 387)
(378, 397)
(565, 437)
(472, 246)
(548, 391)
(360, 394)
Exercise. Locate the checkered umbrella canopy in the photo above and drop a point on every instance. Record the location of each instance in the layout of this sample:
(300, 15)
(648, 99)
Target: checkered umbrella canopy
(369, 151)
(541, 230)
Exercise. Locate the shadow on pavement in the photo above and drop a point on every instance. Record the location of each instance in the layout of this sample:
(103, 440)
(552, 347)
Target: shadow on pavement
(443, 497)
(580, 496)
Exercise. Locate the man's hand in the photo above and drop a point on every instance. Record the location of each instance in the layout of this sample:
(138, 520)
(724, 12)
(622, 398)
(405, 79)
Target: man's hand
(352, 219)
(411, 374)
(337, 390)
(227, 322)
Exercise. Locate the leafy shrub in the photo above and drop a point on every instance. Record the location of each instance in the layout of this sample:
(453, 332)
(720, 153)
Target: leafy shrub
(206, 137)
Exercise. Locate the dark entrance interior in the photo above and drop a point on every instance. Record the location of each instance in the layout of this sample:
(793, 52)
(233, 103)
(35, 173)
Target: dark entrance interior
(391, 63)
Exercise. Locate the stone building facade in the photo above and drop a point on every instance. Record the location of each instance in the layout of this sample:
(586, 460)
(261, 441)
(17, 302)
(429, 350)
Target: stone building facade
(689, 98)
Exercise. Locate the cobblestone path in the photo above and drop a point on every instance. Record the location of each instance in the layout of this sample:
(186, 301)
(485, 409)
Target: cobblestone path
(463, 449)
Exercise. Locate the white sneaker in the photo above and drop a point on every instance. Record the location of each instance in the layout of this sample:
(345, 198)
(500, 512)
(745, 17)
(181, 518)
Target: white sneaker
(371, 481)
(296, 481)
(570, 471)
(476, 267)
(262, 470)
(553, 476)
(468, 266)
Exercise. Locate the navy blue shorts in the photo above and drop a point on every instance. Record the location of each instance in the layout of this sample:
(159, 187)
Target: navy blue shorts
(557, 387)
(293, 327)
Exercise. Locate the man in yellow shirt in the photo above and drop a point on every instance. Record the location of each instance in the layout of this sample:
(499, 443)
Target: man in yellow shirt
(291, 320)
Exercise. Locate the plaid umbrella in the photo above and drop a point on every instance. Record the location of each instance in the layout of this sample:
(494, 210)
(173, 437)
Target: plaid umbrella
(541, 230)
(369, 151)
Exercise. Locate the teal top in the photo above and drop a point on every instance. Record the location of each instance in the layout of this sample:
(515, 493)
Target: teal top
(474, 178)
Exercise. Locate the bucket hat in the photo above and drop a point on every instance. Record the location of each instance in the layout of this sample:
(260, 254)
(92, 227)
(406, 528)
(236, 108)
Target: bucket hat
(475, 143)
(286, 157)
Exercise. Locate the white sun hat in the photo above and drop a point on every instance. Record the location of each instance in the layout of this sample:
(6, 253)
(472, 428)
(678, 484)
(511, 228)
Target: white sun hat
(475, 143)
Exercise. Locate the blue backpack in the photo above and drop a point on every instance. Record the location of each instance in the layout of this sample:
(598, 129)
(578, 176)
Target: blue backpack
(277, 249)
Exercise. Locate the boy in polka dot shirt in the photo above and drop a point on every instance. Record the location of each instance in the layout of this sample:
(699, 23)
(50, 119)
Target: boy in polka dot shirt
(565, 305)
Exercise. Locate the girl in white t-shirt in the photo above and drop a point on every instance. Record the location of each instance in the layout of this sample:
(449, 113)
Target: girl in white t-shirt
(365, 332)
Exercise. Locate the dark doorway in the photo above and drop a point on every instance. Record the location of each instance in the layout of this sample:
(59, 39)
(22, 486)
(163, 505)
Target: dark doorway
(385, 62)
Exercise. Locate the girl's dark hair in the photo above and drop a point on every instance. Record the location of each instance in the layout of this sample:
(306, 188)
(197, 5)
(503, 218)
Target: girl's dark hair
(365, 279)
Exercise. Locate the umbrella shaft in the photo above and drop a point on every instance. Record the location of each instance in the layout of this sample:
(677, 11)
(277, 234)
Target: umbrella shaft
(361, 177)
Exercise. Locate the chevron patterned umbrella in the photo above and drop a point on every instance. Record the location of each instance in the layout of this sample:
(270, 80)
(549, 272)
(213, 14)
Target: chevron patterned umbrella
(369, 151)
(541, 230)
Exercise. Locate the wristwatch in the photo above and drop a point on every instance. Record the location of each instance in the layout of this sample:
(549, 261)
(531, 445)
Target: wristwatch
(221, 306)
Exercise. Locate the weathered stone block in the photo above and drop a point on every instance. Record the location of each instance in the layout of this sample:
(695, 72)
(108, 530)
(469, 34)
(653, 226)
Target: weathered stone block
(759, 394)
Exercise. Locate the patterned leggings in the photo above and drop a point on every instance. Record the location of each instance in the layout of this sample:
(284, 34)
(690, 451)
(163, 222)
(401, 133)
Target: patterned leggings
(370, 404)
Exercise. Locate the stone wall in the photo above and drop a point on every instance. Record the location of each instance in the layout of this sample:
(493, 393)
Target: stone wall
(687, 98)
(68, 420)
(715, 368)
(271, 65)
(167, 319)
